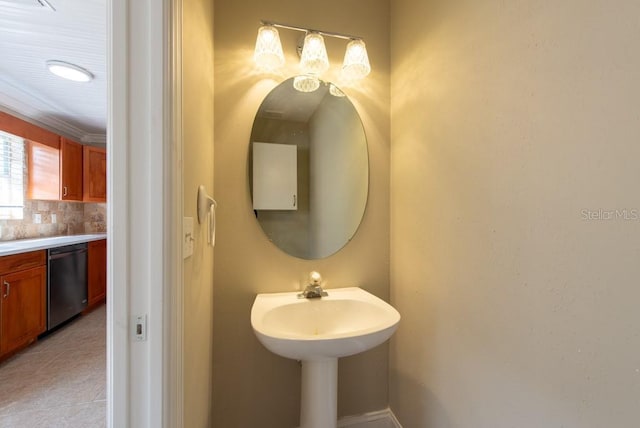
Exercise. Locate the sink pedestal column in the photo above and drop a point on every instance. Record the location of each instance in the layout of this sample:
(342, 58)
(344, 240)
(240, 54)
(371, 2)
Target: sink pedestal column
(319, 402)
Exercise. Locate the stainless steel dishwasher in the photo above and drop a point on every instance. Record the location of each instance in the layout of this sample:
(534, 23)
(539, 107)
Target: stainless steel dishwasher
(67, 283)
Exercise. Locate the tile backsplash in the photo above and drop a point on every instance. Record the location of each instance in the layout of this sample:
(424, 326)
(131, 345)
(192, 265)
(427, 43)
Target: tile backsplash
(54, 218)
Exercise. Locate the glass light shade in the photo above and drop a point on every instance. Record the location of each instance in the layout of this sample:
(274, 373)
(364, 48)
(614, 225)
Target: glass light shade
(314, 58)
(335, 91)
(306, 83)
(268, 54)
(356, 61)
(69, 71)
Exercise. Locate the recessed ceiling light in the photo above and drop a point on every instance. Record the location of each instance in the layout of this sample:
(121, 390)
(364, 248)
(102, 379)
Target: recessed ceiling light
(69, 71)
(30, 4)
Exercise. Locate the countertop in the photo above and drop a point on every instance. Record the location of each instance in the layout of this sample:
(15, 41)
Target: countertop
(25, 245)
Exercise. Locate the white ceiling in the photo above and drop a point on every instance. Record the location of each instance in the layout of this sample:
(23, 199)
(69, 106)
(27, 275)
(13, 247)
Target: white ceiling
(284, 102)
(75, 32)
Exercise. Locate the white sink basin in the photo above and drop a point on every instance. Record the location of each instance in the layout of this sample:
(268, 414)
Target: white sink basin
(346, 322)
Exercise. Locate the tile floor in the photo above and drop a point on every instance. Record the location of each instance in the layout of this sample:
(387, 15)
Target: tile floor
(60, 381)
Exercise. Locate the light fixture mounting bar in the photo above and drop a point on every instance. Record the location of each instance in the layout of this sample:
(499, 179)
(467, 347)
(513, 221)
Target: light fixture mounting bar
(310, 30)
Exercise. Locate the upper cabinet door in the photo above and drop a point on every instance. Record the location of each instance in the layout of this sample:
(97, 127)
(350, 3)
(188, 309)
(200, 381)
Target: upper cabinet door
(43, 171)
(94, 174)
(71, 170)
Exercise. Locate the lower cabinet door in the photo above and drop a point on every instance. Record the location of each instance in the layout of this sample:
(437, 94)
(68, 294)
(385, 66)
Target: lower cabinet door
(97, 271)
(22, 307)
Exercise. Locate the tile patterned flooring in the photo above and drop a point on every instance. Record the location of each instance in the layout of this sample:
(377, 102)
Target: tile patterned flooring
(60, 381)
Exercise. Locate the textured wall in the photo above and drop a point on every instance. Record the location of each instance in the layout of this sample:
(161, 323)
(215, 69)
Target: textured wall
(253, 387)
(197, 109)
(513, 125)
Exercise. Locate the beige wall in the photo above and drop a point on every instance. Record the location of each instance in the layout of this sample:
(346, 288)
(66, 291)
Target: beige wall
(252, 386)
(338, 174)
(508, 120)
(197, 105)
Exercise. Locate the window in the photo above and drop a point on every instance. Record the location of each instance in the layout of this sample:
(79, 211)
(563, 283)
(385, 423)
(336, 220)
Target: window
(11, 176)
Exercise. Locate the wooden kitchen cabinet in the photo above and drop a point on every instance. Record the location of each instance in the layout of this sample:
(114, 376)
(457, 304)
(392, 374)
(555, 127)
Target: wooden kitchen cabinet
(70, 170)
(43, 169)
(97, 272)
(94, 174)
(54, 172)
(59, 168)
(23, 289)
(27, 130)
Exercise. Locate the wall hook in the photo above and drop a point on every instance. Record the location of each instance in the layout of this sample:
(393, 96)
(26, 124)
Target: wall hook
(207, 208)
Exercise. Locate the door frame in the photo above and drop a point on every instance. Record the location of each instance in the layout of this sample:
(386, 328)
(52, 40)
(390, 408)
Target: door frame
(144, 213)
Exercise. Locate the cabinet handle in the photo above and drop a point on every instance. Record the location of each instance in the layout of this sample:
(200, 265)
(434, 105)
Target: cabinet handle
(7, 288)
(294, 200)
(64, 191)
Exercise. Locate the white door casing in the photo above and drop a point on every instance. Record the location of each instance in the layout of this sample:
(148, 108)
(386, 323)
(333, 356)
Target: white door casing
(144, 214)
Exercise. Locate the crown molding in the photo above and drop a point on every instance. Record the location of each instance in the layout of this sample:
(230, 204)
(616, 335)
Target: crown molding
(94, 139)
(18, 101)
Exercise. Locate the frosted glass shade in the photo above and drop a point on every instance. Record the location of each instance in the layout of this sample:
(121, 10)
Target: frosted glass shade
(306, 83)
(356, 61)
(268, 54)
(335, 91)
(314, 58)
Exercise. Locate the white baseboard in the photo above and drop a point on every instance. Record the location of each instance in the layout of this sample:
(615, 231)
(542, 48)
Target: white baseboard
(379, 419)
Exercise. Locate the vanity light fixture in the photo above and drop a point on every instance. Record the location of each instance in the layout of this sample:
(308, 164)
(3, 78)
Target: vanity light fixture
(356, 61)
(306, 83)
(268, 53)
(335, 91)
(314, 59)
(69, 71)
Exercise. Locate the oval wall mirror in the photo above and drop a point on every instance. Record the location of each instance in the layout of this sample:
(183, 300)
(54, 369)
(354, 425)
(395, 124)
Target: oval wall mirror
(308, 169)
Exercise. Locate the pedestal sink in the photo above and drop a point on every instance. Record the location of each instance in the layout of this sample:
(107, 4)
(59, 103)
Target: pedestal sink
(317, 332)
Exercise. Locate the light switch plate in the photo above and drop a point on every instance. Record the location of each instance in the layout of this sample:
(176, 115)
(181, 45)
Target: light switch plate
(187, 237)
(37, 218)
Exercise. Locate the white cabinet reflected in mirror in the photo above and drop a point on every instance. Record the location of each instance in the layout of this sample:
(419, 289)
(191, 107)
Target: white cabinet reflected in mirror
(275, 176)
(311, 204)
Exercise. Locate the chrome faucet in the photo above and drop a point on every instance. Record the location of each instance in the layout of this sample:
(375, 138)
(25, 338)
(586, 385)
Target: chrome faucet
(313, 290)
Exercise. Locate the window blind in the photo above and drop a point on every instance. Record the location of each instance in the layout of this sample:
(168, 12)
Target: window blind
(11, 176)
